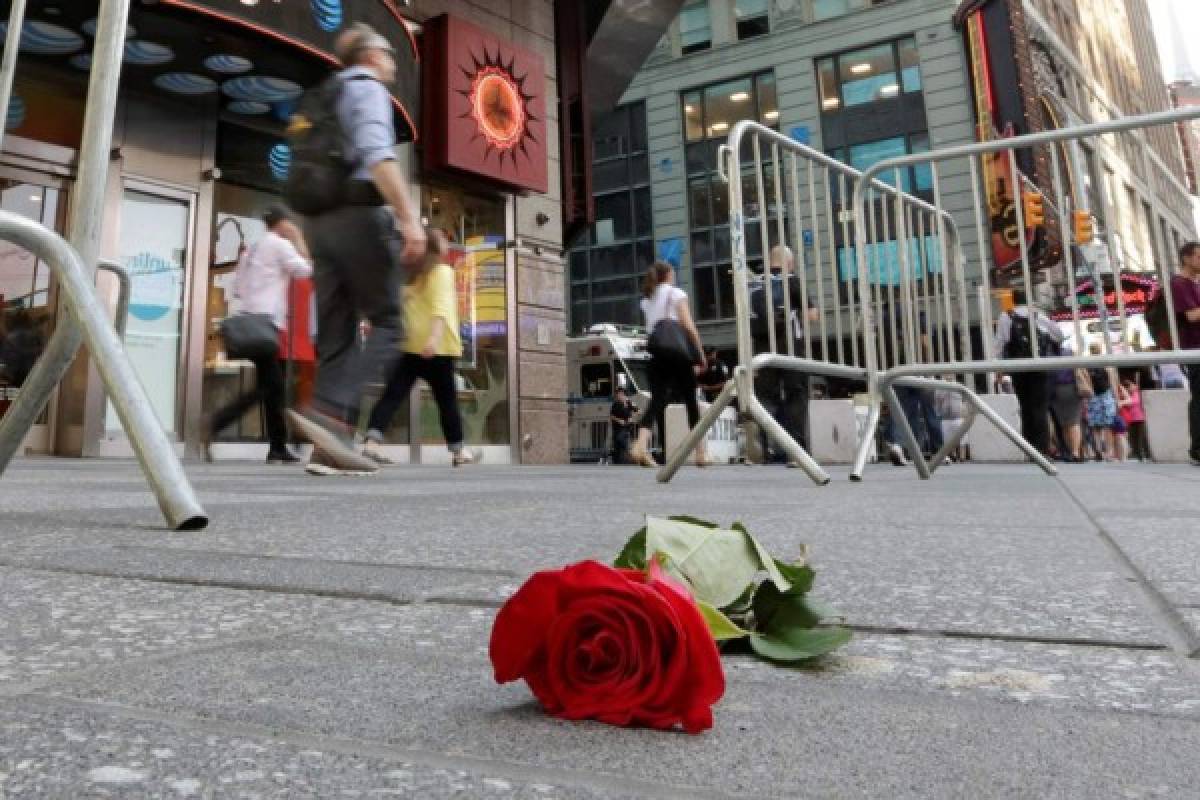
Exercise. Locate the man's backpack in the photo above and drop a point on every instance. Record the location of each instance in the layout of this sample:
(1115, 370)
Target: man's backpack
(319, 172)
(1020, 340)
(1158, 319)
(760, 319)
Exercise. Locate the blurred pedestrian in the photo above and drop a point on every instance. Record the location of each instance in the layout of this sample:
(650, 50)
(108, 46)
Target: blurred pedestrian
(1185, 289)
(714, 377)
(672, 366)
(261, 285)
(624, 426)
(1102, 408)
(1016, 336)
(432, 347)
(360, 247)
(1134, 415)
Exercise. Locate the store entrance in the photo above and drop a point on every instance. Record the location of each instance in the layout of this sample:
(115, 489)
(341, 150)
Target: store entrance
(27, 294)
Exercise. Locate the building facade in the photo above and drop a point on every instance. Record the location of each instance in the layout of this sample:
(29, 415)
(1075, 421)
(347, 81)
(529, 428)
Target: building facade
(862, 81)
(200, 152)
(1095, 60)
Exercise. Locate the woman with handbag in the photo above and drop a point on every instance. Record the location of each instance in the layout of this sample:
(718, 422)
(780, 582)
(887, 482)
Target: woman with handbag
(1069, 390)
(675, 353)
(263, 276)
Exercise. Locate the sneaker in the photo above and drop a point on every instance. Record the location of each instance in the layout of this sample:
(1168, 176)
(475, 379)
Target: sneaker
(371, 450)
(335, 450)
(465, 458)
(284, 456)
(322, 464)
(896, 454)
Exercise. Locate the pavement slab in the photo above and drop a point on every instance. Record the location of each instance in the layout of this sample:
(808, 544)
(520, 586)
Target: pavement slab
(328, 638)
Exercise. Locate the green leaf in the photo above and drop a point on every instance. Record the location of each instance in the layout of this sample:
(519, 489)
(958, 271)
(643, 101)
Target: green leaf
(768, 563)
(799, 576)
(720, 626)
(633, 556)
(779, 611)
(718, 564)
(702, 523)
(743, 603)
(799, 644)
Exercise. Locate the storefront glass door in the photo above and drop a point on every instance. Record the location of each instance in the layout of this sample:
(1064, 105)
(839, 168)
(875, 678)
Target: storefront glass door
(26, 293)
(154, 245)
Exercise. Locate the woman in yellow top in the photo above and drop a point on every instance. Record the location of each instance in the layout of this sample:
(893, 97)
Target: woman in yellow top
(432, 346)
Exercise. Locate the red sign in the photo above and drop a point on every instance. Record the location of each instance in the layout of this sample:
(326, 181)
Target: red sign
(1136, 291)
(484, 104)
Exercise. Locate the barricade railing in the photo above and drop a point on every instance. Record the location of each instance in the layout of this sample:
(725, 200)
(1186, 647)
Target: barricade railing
(935, 344)
(73, 266)
(783, 192)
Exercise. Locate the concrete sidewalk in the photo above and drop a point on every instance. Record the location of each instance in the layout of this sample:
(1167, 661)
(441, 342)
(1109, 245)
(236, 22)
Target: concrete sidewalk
(1018, 636)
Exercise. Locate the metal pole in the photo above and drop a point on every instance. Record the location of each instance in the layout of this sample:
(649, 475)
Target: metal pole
(87, 219)
(124, 291)
(154, 451)
(8, 67)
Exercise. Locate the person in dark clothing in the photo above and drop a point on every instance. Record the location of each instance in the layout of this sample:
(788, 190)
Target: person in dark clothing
(783, 392)
(359, 250)
(1185, 289)
(670, 377)
(714, 378)
(263, 276)
(621, 418)
(1015, 338)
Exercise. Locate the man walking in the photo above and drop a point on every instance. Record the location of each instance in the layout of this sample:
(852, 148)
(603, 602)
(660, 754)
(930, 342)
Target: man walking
(1185, 289)
(359, 249)
(1015, 337)
(783, 392)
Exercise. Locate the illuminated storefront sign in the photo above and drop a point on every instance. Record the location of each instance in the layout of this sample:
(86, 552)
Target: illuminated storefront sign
(485, 109)
(1136, 291)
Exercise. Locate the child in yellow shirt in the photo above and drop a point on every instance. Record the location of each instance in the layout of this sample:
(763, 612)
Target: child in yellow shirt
(431, 348)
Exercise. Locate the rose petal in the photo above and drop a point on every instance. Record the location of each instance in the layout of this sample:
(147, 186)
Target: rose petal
(521, 624)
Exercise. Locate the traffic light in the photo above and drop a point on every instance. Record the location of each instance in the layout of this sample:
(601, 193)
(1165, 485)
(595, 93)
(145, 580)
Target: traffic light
(1084, 233)
(1035, 209)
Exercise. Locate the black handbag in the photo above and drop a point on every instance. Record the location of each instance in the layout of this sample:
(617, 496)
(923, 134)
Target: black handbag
(669, 340)
(250, 336)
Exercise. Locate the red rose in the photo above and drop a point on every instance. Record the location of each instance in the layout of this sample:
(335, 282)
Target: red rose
(614, 645)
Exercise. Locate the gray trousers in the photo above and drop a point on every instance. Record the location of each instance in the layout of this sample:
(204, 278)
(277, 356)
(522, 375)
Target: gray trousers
(357, 276)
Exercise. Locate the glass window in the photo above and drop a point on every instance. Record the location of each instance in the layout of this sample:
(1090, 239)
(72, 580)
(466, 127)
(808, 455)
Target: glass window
(768, 99)
(868, 75)
(831, 99)
(695, 27)
(922, 173)
(693, 117)
(609, 175)
(910, 65)
(596, 381)
(643, 213)
(827, 9)
(476, 225)
(727, 103)
(698, 202)
(579, 265)
(752, 18)
(610, 134)
(705, 300)
(26, 305)
(618, 209)
(863, 156)
(637, 128)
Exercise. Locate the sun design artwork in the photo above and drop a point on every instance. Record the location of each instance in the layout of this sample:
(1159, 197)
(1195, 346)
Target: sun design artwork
(499, 106)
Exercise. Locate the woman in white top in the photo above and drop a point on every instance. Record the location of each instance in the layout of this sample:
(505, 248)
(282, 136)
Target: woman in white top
(671, 377)
(261, 287)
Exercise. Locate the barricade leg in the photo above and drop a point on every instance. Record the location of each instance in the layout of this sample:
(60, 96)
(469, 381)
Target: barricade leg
(1012, 434)
(868, 440)
(776, 433)
(905, 428)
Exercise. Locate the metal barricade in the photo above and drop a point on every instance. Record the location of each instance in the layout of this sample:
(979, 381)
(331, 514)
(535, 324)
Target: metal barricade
(73, 266)
(956, 297)
(782, 192)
